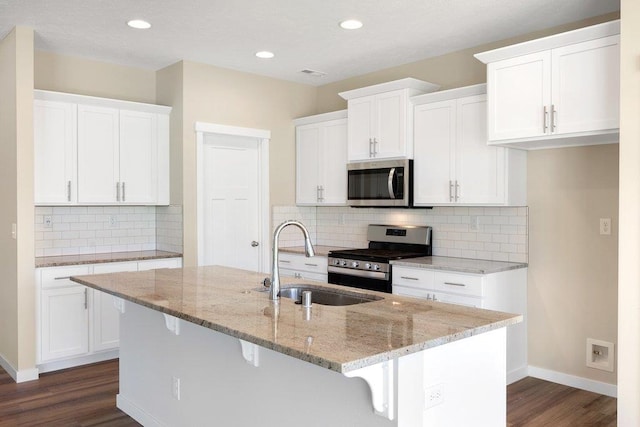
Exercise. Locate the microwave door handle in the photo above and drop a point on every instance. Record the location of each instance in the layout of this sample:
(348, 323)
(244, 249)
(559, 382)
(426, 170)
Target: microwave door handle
(392, 174)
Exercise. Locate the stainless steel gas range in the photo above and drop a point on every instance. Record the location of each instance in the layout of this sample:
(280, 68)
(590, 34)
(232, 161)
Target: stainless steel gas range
(369, 268)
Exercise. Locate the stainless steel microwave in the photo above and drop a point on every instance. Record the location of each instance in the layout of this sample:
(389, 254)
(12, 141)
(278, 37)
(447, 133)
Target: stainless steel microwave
(385, 183)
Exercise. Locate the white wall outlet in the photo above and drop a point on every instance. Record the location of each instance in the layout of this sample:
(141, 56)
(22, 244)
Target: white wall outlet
(433, 396)
(605, 226)
(600, 354)
(113, 221)
(474, 223)
(47, 221)
(175, 388)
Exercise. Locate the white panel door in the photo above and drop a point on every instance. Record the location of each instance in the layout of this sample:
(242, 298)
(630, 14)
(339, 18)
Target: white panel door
(585, 85)
(360, 128)
(434, 139)
(64, 322)
(98, 154)
(333, 164)
(480, 168)
(232, 219)
(519, 90)
(54, 146)
(308, 163)
(390, 135)
(138, 157)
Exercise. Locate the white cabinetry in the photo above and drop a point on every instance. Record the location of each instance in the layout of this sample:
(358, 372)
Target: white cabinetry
(312, 268)
(119, 151)
(77, 324)
(503, 291)
(321, 159)
(561, 90)
(381, 121)
(453, 163)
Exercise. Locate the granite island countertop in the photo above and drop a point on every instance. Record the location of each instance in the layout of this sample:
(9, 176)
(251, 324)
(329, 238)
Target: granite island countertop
(460, 265)
(344, 338)
(99, 258)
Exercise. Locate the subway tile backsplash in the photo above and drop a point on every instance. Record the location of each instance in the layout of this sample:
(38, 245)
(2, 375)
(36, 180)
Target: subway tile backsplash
(77, 230)
(493, 233)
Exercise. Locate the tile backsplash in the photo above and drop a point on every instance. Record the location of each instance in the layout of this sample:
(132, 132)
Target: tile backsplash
(77, 230)
(493, 233)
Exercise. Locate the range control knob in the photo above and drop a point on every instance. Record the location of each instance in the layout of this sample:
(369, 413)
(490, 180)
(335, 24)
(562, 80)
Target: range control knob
(376, 267)
(343, 263)
(336, 262)
(355, 264)
(368, 266)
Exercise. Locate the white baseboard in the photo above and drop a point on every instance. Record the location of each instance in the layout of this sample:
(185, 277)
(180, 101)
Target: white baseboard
(19, 376)
(517, 374)
(131, 409)
(78, 361)
(573, 381)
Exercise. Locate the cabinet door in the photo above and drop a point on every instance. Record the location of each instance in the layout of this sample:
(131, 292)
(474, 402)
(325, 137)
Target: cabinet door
(54, 146)
(585, 85)
(64, 321)
(519, 90)
(360, 128)
(390, 125)
(435, 133)
(138, 157)
(105, 317)
(98, 154)
(480, 168)
(307, 164)
(333, 163)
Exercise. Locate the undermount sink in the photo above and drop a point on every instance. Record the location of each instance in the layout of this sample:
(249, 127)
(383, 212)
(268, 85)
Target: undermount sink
(326, 296)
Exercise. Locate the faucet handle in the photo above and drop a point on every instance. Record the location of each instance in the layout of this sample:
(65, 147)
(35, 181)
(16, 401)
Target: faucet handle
(266, 282)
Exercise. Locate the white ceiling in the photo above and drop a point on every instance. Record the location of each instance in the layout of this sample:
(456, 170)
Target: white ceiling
(303, 34)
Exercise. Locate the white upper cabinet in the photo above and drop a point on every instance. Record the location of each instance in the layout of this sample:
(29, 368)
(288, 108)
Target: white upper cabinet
(380, 124)
(453, 164)
(321, 159)
(100, 151)
(561, 90)
(54, 136)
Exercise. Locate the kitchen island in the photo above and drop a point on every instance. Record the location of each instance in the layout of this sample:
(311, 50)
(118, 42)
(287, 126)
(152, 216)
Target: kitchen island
(205, 346)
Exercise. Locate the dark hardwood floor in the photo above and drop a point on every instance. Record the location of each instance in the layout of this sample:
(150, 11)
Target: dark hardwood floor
(86, 396)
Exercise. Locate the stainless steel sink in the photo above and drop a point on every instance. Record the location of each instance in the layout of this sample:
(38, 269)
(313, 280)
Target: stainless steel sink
(326, 296)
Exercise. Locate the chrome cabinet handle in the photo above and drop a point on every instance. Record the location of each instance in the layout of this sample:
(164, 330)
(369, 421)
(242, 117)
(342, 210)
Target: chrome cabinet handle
(123, 193)
(254, 244)
(553, 118)
(456, 192)
(392, 174)
(375, 149)
(450, 191)
(370, 147)
(317, 193)
(310, 265)
(85, 298)
(117, 191)
(545, 119)
(284, 261)
(408, 278)
(62, 278)
(68, 191)
(455, 284)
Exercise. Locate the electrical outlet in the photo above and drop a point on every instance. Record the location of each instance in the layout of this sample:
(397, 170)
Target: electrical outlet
(175, 388)
(433, 396)
(113, 221)
(474, 223)
(600, 354)
(47, 221)
(605, 226)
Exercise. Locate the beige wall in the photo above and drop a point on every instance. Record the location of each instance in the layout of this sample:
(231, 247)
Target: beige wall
(227, 97)
(572, 281)
(17, 298)
(629, 268)
(73, 74)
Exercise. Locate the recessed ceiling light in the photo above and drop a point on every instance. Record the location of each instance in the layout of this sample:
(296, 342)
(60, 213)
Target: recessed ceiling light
(139, 24)
(351, 24)
(265, 54)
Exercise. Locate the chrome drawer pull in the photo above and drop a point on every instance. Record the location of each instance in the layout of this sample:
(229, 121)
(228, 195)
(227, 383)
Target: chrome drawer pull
(311, 265)
(284, 261)
(455, 284)
(62, 278)
(408, 278)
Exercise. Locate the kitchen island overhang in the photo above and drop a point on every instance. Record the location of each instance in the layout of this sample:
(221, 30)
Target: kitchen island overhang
(388, 343)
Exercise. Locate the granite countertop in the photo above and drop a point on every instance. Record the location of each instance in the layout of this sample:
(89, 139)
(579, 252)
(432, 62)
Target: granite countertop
(343, 338)
(320, 250)
(58, 261)
(461, 265)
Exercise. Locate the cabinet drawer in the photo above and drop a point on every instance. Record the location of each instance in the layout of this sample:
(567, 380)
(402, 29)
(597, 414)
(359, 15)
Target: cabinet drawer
(413, 277)
(316, 264)
(409, 291)
(456, 283)
(468, 301)
(320, 277)
(152, 264)
(58, 277)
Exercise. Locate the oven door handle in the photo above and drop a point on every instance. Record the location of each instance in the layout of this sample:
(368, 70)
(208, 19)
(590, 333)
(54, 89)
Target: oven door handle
(392, 175)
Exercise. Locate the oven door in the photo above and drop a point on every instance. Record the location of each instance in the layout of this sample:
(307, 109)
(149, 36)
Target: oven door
(368, 283)
(386, 183)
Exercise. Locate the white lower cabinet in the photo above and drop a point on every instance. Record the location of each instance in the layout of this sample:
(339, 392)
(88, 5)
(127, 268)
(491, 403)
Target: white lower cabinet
(312, 268)
(503, 291)
(77, 324)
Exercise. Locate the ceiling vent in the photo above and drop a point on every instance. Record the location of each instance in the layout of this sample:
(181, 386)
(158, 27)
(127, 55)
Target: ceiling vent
(314, 73)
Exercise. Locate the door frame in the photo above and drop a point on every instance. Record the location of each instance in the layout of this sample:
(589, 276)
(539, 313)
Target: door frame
(263, 137)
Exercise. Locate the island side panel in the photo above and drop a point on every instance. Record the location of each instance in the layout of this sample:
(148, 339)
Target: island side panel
(218, 387)
(462, 383)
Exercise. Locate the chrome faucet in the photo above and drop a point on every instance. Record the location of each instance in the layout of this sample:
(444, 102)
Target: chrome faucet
(274, 290)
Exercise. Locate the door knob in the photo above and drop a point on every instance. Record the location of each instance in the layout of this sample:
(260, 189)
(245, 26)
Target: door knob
(254, 244)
